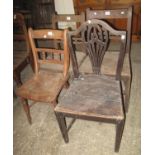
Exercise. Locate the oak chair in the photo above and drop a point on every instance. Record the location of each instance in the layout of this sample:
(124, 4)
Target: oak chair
(94, 96)
(48, 79)
(113, 16)
(21, 56)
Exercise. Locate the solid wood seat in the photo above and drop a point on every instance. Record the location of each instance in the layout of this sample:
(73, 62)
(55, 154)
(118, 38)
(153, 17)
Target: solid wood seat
(99, 96)
(46, 84)
(113, 16)
(43, 87)
(94, 96)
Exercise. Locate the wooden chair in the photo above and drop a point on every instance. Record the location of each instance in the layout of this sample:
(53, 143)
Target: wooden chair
(113, 16)
(46, 83)
(94, 96)
(21, 56)
(70, 21)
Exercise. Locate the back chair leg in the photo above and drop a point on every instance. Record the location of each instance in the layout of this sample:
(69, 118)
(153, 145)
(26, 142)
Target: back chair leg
(26, 109)
(119, 132)
(127, 82)
(63, 126)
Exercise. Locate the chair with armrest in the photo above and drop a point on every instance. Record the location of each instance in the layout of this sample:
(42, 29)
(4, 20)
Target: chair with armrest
(48, 79)
(113, 16)
(94, 96)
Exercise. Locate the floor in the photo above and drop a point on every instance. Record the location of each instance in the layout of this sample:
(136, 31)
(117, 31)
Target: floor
(43, 137)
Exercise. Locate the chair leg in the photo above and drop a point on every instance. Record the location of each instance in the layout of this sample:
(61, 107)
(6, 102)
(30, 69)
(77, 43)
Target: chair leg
(127, 83)
(119, 132)
(26, 109)
(63, 126)
(66, 86)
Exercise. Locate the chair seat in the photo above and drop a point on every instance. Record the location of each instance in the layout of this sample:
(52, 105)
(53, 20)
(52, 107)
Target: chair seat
(19, 57)
(96, 96)
(109, 64)
(43, 87)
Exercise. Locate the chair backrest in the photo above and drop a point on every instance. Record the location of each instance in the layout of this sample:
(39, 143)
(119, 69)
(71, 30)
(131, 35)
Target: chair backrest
(95, 36)
(125, 13)
(20, 30)
(68, 18)
(49, 34)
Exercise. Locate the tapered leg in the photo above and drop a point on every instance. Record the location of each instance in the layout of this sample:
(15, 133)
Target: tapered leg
(127, 83)
(119, 132)
(26, 109)
(63, 127)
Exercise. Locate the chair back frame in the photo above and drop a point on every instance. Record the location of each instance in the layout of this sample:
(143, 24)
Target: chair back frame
(125, 13)
(67, 18)
(49, 34)
(95, 36)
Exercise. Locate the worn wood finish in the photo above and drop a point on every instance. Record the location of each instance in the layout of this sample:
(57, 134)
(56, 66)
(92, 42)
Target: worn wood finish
(118, 14)
(21, 58)
(46, 84)
(94, 96)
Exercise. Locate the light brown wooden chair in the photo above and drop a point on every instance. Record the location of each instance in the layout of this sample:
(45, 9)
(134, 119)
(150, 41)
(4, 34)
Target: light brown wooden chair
(94, 96)
(113, 16)
(22, 55)
(47, 82)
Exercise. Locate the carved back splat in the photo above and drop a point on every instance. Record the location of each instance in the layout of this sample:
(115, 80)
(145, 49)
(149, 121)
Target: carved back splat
(94, 35)
(95, 39)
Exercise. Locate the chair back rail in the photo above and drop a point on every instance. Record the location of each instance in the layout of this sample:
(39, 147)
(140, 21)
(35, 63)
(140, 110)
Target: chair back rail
(67, 18)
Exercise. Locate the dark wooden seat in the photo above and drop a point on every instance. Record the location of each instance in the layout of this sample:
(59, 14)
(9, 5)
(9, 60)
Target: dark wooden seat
(113, 16)
(94, 96)
(46, 84)
(21, 57)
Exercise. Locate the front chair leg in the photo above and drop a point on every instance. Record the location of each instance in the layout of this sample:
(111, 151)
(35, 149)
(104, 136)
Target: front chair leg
(119, 132)
(63, 126)
(26, 109)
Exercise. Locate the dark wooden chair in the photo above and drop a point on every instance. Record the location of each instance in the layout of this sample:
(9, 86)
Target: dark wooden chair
(47, 81)
(113, 17)
(22, 55)
(94, 96)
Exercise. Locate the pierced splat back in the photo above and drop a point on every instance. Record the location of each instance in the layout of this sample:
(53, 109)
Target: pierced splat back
(95, 35)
